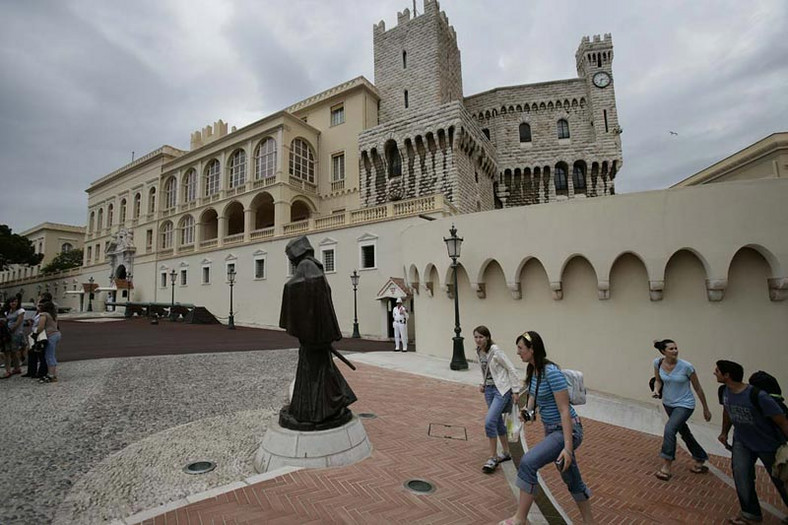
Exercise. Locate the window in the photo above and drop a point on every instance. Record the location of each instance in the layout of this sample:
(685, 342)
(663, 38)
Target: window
(122, 211)
(67, 247)
(394, 159)
(338, 167)
(98, 252)
(152, 200)
(302, 160)
(149, 240)
(486, 132)
(92, 221)
(338, 115)
(190, 186)
(110, 215)
(265, 159)
(404, 60)
(560, 177)
(100, 220)
(184, 277)
(579, 176)
(212, 178)
(406, 99)
(604, 113)
(329, 260)
(368, 256)
(170, 193)
(137, 205)
(259, 268)
(187, 230)
(206, 275)
(238, 168)
(166, 235)
(563, 129)
(525, 132)
(90, 255)
(163, 280)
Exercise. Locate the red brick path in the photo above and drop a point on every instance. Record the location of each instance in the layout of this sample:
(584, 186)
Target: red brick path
(618, 465)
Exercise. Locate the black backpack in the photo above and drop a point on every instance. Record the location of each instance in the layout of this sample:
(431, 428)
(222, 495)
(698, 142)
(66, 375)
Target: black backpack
(761, 380)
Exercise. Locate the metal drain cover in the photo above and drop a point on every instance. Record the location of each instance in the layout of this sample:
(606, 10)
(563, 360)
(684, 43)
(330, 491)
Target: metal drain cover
(420, 486)
(441, 430)
(367, 415)
(199, 467)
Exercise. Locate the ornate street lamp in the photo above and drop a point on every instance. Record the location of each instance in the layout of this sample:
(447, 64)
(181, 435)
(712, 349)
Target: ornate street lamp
(90, 295)
(354, 279)
(453, 245)
(231, 280)
(173, 276)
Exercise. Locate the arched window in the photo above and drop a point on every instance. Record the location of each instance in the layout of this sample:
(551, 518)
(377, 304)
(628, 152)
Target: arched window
(67, 247)
(110, 214)
(122, 211)
(579, 176)
(137, 205)
(92, 221)
(100, 219)
(265, 159)
(560, 177)
(212, 178)
(166, 235)
(170, 193)
(563, 129)
(525, 132)
(190, 186)
(394, 159)
(238, 168)
(302, 160)
(152, 201)
(187, 230)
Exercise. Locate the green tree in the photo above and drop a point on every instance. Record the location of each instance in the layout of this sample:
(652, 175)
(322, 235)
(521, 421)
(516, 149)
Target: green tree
(15, 249)
(64, 261)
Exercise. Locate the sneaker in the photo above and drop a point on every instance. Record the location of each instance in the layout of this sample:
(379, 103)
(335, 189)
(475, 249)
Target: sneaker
(45, 379)
(53, 379)
(490, 465)
(503, 457)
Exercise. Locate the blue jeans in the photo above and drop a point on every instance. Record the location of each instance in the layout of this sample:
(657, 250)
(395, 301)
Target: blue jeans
(743, 466)
(677, 423)
(49, 353)
(547, 451)
(496, 406)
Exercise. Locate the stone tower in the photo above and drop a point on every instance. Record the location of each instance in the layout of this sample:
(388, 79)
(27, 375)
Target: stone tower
(417, 63)
(594, 58)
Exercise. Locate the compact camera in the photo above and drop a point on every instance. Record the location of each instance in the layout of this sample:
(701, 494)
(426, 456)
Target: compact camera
(528, 415)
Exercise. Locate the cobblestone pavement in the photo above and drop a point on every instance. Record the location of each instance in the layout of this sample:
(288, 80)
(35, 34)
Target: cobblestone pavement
(55, 435)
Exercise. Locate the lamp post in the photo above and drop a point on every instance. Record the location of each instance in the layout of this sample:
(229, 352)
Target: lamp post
(453, 245)
(231, 280)
(90, 295)
(354, 279)
(173, 275)
(129, 287)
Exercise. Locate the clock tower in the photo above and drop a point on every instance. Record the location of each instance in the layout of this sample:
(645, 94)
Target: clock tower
(594, 59)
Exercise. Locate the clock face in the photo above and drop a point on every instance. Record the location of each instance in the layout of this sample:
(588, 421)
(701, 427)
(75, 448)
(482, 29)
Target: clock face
(601, 79)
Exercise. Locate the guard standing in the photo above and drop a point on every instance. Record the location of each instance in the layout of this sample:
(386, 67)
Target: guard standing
(400, 315)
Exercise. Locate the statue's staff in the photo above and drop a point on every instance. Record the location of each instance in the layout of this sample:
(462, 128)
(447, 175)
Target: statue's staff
(343, 358)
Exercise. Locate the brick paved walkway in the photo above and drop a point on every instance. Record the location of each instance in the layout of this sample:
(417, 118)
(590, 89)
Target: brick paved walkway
(618, 465)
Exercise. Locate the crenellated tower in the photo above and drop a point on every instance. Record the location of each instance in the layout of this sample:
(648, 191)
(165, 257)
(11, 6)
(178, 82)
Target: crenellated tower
(417, 63)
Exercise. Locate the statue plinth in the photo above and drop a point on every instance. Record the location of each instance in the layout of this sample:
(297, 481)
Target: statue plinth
(336, 447)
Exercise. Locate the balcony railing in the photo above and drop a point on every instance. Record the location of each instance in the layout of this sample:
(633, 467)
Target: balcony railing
(302, 184)
(262, 233)
(296, 227)
(338, 185)
(332, 221)
(210, 243)
(186, 248)
(233, 239)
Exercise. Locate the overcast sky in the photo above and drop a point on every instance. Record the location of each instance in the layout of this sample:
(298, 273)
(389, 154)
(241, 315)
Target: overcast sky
(83, 83)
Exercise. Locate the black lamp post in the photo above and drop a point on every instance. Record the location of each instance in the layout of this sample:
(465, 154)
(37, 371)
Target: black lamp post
(90, 295)
(129, 278)
(354, 279)
(231, 280)
(173, 276)
(453, 244)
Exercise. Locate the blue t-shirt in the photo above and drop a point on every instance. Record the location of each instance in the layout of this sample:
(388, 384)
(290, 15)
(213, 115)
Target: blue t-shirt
(676, 390)
(553, 380)
(754, 430)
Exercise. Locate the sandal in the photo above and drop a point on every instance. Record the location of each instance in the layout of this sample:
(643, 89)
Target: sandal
(511, 521)
(503, 457)
(490, 466)
(664, 476)
(699, 469)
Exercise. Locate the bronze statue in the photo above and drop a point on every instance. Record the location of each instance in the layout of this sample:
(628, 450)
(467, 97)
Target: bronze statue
(321, 395)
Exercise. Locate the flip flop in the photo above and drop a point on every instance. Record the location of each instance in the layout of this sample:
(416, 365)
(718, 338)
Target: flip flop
(664, 476)
(699, 469)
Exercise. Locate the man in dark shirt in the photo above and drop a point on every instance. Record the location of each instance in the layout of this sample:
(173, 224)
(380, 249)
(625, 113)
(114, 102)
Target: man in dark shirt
(757, 434)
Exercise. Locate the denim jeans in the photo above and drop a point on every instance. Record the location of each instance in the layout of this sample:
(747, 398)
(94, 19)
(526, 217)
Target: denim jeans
(677, 422)
(49, 353)
(547, 451)
(496, 406)
(743, 466)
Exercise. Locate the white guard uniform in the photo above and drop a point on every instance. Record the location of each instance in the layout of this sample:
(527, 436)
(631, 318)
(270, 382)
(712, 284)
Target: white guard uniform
(400, 315)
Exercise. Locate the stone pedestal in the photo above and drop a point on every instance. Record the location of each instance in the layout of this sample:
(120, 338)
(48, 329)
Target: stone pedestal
(335, 447)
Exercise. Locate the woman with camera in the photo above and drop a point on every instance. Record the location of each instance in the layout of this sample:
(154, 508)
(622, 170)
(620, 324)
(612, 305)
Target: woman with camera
(672, 379)
(500, 383)
(548, 395)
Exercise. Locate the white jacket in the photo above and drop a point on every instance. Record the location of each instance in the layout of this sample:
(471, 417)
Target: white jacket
(502, 371)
